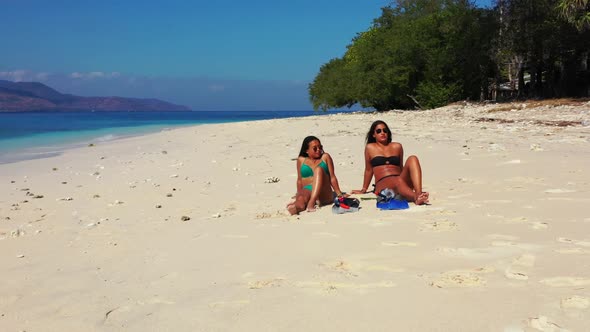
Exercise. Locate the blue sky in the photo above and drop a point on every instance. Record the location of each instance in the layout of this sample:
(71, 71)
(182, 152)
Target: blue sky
(208, 55)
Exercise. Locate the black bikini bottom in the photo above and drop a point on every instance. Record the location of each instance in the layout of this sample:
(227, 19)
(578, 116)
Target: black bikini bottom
(386, 176)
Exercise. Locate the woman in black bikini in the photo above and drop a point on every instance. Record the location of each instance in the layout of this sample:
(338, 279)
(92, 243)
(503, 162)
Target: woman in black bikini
(384, 160)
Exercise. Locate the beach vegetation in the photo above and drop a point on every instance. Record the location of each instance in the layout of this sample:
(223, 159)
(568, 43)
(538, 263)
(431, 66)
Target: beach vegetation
(576, 12)
(428, 53)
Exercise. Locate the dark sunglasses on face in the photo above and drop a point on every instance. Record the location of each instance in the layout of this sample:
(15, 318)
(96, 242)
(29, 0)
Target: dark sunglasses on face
(316, 148)
(378, 131)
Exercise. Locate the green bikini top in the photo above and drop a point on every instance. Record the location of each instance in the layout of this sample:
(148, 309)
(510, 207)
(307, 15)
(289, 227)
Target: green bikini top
(307, 172)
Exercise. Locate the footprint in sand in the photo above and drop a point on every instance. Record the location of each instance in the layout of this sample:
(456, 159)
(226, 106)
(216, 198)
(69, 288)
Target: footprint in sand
(583, 243)
(525, 260)
(523, 246)
(537, 225)
(259, 284)
(454, 279)
(439, 226)
(515, 275)
(517, 220)
(331, 286)
(542, 323)
(559, 191)
(444, 212)
(564, 240)
(478, 253)
(331, 282)
(340, 266)
(496, 147)
(565, 281)
(276, 214)
(519, 267)
(576, 250)
(575, 302)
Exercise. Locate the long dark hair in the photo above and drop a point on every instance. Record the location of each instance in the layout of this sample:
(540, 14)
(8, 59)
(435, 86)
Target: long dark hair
(305, 145)
(370, 138)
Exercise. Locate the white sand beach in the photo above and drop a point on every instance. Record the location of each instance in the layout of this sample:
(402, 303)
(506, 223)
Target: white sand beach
(185, 230)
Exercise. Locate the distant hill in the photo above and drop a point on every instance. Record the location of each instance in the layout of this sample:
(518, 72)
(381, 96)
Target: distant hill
(35, 96)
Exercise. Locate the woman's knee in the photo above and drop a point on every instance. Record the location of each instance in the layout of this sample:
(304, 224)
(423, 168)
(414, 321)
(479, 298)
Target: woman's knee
(413, 160)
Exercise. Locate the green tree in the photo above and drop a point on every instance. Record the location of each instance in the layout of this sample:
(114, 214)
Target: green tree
(549, 50)
(432, 52)
(332, 86)
(429, 52)
(576, 12)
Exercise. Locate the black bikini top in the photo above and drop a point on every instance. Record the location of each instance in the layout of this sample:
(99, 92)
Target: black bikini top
(381, 160)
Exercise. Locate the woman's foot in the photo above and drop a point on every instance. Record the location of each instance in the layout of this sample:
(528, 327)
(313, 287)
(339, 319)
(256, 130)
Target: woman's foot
(422, 198)
(313, 207)
(292, 208)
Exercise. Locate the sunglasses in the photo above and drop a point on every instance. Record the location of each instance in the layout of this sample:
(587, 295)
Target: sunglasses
(378, 130)
(316, 148)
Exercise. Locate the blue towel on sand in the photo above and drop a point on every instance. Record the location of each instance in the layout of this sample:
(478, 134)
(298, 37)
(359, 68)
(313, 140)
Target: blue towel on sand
(387, 199)
(393, 204)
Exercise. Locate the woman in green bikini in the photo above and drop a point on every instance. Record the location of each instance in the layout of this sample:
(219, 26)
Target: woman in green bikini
(315, 177)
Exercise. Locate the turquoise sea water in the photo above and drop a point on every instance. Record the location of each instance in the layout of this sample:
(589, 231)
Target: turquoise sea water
(33, 135)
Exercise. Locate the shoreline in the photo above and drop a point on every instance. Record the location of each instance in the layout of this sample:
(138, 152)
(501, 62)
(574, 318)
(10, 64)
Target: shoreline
(30, 146)
(180, 229)
(82, 139)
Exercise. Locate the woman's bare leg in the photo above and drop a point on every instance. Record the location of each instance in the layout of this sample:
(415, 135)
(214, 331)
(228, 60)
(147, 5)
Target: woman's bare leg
(402, 188)
(317, 184)
(412, 173)
(300, 202)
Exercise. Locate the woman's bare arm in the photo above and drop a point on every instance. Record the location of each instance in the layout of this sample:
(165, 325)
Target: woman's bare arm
(299, 183)
(368, 174)
(333, 179)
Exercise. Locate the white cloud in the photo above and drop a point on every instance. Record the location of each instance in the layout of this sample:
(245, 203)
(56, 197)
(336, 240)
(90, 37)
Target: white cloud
(16, 75)
(94, 75)
(23, 75)
(42, 76)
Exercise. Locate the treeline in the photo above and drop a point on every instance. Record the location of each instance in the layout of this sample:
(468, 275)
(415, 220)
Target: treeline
(428, 53)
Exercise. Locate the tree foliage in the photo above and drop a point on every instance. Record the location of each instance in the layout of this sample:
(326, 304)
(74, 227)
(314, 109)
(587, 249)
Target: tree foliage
(428, 53)
(576, 12)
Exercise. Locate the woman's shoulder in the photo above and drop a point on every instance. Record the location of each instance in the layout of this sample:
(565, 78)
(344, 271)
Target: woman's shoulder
(371, 146)
(395, 144)
(326, 156)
